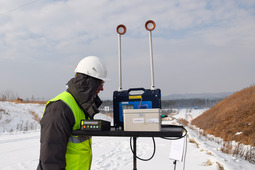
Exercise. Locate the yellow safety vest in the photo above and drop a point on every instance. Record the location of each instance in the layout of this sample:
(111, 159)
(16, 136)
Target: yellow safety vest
(78, 153)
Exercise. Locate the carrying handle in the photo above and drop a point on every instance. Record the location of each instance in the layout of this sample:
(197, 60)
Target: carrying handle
(136, 89)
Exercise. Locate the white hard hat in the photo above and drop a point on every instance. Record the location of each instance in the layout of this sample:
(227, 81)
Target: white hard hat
(93, 67)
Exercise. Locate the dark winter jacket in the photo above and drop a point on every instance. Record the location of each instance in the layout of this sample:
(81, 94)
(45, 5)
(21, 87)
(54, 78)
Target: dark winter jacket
(58, 121)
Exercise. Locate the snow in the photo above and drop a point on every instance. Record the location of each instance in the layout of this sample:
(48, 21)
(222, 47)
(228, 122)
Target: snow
(19, 148)
(19, 116)
(238, 133)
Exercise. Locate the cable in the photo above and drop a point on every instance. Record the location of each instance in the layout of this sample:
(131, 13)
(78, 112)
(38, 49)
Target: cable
(154, 144)
(176, 138)
(140, 102)
(154, 150)
(169, 138)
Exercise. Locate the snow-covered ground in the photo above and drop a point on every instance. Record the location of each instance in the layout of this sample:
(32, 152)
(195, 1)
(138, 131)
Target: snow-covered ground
(19, 149)
(19, 117)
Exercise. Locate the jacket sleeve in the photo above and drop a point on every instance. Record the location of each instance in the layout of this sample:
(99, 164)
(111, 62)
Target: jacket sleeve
(56, 128)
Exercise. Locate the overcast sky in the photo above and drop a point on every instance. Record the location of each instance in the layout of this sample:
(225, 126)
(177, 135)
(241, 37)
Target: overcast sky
(198, 45)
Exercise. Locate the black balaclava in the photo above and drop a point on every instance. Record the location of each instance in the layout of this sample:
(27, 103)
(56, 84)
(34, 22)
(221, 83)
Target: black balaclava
(83, 88)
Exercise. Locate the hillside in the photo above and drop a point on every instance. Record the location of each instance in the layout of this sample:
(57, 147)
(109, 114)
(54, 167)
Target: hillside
(232, 118)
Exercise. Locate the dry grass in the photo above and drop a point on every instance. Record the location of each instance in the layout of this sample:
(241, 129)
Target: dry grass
(19, 100)
(184, 121)
(208, 163)
(193, 141)
(35, 116)
(227, 148)
(208, 152)
(231, 115)
(220, 167)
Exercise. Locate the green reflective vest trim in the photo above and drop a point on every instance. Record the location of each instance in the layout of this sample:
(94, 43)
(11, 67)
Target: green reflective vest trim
(78, 153)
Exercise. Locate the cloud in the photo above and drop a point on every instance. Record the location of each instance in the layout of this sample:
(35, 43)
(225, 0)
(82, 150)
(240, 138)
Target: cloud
(197, 44)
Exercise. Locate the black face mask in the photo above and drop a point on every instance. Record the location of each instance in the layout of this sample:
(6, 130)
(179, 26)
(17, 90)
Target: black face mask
(83, 88)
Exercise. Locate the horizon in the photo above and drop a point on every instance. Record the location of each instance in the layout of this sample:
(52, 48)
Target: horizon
(10, 95)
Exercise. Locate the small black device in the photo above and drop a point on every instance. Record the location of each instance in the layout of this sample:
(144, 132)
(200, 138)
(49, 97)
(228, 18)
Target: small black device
(95, 125)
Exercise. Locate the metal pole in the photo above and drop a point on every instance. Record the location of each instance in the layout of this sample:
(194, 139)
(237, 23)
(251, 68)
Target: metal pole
(151, 60)
(134, 154)
(120, 68)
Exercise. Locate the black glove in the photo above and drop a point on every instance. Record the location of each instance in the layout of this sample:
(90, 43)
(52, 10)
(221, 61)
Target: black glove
(91, 108)
(98, 101)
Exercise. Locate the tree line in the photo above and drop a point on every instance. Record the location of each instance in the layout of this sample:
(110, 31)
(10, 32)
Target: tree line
(179, 103)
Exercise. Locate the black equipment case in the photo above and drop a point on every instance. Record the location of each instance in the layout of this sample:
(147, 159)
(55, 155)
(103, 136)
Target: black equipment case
(124, 100)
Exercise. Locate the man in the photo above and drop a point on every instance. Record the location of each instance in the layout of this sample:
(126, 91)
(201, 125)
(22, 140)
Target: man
(59, 149)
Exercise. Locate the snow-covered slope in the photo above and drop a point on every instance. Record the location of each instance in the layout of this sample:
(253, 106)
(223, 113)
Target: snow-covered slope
(19, 117)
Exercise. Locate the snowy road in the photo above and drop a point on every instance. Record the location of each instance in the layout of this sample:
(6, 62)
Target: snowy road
(20, 151)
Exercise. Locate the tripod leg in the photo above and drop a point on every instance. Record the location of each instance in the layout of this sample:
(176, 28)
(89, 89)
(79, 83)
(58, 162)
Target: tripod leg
(174, 164)
(134, 155)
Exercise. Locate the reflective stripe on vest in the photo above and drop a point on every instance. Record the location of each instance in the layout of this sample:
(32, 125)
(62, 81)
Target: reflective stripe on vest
(78, 139)
(78, 153)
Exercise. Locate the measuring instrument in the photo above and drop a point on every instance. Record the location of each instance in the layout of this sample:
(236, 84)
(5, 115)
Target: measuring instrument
(124, 99)
(95, 125)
